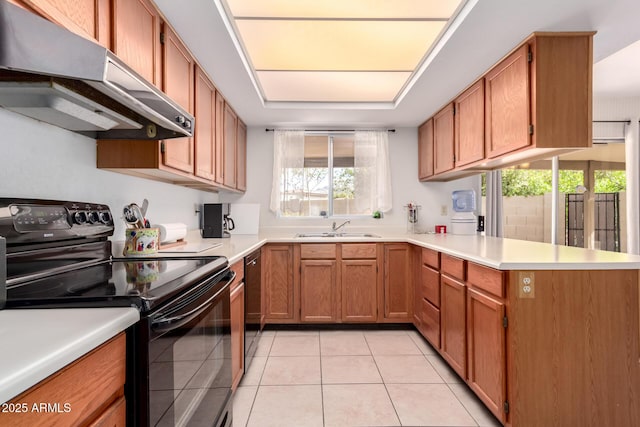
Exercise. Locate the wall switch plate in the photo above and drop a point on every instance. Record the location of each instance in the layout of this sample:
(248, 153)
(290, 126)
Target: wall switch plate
(443, 210)
(526, 284)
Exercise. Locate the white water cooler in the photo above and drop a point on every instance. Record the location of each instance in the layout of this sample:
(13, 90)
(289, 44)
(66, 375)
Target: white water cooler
(464, 221)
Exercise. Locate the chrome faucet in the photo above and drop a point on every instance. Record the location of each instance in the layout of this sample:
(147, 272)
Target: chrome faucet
(334, 228)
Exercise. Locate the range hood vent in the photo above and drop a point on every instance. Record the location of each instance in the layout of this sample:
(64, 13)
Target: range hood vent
(55, 76)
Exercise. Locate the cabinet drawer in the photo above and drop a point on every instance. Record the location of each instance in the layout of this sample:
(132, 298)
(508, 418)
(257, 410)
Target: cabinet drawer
(486, 278)
(358, 250)
(318, 251)
(91, 382)
(452, 266)
(431, 258)
(430, 282)
(431, 323)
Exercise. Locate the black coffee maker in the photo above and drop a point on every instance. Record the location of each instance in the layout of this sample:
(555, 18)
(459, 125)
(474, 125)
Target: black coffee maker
(216, 221)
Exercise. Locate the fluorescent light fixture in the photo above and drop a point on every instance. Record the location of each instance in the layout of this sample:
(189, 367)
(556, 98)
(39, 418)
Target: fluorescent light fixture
(356, 51)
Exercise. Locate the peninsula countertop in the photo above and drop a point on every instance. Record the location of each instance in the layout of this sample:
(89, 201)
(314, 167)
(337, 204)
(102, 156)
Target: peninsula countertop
(494, 252)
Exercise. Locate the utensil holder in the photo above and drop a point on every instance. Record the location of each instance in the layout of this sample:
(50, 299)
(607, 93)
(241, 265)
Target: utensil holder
(141, 241)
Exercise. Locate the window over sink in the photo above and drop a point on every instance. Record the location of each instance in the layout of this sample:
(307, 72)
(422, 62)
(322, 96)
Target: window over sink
(330, 174)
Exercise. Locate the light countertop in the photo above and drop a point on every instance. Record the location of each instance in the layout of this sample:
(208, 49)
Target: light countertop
(39, 342)
(499, 253)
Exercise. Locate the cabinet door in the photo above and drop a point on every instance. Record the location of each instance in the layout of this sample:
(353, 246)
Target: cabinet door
(237, 334)
(204, 136)
(219, 138)
(425, 150)
(486, 350)
(398, 292)
(90, 18)
(278, 282)
(507, 104)
(230, 135)
(469, 125)
(318, 290)
(443, 128)
(430, 285)
(136, 37)
(359, 280)
(178, 71)
(452, 324)
(241, 161)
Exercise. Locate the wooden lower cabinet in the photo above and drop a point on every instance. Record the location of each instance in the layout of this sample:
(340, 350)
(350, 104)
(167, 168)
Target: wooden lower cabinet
(89, 391)
(486, 349)
(359, 279)
(237, 324)
(318, 288)
(453, 326)
(280, 294)
(398, 286)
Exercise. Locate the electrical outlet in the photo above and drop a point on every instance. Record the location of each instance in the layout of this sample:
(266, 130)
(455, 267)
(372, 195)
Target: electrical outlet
(443, 210)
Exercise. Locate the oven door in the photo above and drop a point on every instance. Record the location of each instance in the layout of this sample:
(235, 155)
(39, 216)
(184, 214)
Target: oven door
(188, 354)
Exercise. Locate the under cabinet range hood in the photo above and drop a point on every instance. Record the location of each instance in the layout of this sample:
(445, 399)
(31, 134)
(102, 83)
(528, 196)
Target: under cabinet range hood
(55, 76)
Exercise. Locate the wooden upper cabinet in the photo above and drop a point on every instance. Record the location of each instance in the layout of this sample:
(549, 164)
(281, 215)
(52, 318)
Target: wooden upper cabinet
(443, 131)
(425, 150)
(241, 157)
(219, 138)
(230, 132)
(469, 125)
(204, 137)
(178, 82)
(136, 37)
(89, 18)
(508, 104)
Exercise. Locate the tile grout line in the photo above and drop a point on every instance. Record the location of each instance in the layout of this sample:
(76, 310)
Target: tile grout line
(255, 396)
(321, 379)
(384, 384)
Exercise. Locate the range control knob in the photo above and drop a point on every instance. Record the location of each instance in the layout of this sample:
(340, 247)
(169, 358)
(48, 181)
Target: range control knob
(92, 217)
(105, 217)
(187, 124)
(80, 217)
(180, 119)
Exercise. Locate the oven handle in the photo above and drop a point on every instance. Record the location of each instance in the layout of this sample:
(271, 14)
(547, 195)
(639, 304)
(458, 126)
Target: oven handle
(165, 324)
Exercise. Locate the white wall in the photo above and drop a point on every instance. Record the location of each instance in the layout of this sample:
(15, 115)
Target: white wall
(403, 150)
(42, 161)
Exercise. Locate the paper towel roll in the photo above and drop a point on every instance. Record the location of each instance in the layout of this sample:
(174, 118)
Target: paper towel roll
(172, 232)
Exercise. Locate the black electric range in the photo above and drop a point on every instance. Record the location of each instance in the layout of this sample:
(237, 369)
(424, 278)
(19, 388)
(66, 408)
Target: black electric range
(58, 256)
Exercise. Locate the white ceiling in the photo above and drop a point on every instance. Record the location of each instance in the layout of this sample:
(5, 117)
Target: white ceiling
(490, 30)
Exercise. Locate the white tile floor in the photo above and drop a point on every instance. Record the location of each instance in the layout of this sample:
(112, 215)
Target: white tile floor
(353, 378)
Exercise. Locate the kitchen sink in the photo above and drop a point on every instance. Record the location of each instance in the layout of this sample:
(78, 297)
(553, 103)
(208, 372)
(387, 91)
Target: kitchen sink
(332, 234)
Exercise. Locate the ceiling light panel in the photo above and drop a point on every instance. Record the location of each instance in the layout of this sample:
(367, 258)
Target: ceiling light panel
(308, 86)
(344, 9)
(336, 50)
(337, 45)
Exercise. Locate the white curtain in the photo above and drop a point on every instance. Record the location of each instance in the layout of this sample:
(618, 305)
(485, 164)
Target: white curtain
(493, 220)
(372, 172)
(288, 158)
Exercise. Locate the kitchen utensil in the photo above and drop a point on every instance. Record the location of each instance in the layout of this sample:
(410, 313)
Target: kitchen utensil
(133, 215)
(145, 206)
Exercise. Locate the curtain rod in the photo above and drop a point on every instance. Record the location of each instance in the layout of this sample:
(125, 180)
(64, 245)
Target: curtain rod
(332, 130)
(612, 121)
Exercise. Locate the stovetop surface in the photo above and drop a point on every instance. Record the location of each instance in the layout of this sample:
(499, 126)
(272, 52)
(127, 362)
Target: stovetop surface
(145, 283)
